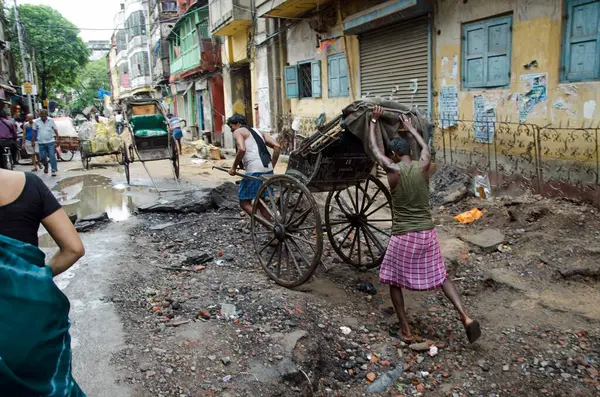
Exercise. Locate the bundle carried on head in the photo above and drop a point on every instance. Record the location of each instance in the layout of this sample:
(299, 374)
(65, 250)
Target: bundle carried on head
(357, 119)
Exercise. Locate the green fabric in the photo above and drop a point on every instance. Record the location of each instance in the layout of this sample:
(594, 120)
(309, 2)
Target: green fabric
(410, 200)
(150, 125)
(35, 346)
(150, 132)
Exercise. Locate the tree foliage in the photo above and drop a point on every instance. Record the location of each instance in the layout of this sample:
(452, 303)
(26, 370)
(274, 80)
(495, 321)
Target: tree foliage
(59, 51)
(89, 80)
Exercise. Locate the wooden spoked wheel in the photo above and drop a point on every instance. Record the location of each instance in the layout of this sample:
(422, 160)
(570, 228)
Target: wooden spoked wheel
(286, 231)
(358, 221)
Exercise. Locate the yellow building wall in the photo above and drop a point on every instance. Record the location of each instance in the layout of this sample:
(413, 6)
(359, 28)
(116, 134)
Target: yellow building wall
(536, 36)
(302, 45)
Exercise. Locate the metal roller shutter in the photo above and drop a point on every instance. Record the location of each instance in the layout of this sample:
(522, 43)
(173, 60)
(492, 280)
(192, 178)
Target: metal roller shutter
(391, 57)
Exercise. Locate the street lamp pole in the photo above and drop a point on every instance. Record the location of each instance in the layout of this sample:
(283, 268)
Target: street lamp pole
(22, 50)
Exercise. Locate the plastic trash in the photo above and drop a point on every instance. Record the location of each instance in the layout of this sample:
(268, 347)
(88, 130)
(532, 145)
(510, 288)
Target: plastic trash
(345, 330)
(228, 311)
(469, 216)
(482, 187)
(367, 287)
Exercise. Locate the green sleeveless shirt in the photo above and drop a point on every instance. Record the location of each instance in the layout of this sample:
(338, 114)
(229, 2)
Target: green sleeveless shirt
(410, 201)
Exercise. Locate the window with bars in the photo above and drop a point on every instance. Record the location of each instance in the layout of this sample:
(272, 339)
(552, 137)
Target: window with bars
(303, 80)
(136, 24)
(139, 65)
(169, 5)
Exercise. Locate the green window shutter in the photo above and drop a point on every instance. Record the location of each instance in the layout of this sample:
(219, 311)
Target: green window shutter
(474, 55)
(344, 85)
(486, 53)
(291, 81)
(333, 76)
(498, 52)
(581, 52)
(315, 68)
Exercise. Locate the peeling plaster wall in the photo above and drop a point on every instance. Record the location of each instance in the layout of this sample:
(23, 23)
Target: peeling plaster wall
(302, 46)
(537, 35)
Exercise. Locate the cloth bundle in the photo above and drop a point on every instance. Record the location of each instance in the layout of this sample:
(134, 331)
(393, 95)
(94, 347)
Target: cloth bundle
(357, 118)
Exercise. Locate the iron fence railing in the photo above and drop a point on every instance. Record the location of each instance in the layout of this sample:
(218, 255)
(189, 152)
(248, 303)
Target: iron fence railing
(549, 157)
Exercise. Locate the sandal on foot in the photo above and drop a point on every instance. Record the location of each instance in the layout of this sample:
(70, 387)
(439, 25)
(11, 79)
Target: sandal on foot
(473, 331)
(395, 333)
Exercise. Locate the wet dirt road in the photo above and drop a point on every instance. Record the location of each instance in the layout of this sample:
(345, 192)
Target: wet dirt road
(97, 331)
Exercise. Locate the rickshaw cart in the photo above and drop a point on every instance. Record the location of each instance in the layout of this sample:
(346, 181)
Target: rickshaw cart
(86, 153)
(151, 137)
(286, 224)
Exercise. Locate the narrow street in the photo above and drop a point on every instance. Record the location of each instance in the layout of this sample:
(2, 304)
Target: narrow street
(149, 302)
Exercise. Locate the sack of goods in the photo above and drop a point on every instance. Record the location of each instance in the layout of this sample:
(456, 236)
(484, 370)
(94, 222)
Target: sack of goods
(105, 138)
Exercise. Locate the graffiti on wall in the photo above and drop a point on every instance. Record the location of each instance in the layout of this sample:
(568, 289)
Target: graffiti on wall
(535, 93)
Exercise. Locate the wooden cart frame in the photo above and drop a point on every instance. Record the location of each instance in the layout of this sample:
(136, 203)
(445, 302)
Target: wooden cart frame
(286, 221)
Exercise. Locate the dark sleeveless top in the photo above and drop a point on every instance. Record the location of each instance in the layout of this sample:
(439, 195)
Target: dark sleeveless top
(410, 201)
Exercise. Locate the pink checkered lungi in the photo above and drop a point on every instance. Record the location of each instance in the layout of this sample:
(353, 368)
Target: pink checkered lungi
(414, 261)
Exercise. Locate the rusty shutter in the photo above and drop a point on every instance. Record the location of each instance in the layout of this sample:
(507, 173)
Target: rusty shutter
(392, 57)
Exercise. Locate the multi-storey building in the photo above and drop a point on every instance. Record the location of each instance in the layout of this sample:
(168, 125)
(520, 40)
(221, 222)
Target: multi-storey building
(163, 16)
(7, 69)
(138, 51)
(196, 81)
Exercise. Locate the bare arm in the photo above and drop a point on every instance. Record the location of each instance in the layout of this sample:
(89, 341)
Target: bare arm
(425, 160)
(384, 162)
(64, 234)
(241, 151)
(273, 144)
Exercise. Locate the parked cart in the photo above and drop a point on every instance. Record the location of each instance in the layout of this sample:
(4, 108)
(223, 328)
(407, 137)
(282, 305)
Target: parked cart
(288, 233)
(151, 137)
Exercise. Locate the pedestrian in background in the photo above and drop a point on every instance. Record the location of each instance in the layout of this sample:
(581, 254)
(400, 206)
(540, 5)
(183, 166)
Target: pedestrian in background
(175, 123)
(47, 134)
(35, 345)
(413, 259)
(8, 136)
(30, 142)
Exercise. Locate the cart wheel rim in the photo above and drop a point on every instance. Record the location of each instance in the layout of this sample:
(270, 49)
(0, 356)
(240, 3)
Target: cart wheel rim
(290, 244)
(358, 222)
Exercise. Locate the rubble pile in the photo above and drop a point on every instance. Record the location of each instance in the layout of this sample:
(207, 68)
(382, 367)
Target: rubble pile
(204, 319)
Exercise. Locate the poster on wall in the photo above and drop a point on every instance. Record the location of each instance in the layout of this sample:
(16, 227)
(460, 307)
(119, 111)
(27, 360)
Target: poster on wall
(535, 92)
(449, 106)
(484, 119)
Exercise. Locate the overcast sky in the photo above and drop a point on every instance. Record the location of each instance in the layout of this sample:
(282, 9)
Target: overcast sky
(97, 14)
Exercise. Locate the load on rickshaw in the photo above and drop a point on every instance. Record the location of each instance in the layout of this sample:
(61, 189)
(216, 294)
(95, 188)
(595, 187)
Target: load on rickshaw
(357, 211)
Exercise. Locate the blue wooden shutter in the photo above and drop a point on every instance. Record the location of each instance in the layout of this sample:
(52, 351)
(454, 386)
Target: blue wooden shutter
(497, 65)
(333, 75)
(291, 81)
(581, 55)
(474, 55)
(344, 85)
(315, 69)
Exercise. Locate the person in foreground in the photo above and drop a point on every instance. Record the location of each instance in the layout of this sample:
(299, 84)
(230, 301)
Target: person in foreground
(35, 345)
(413, 259)
(252, 152)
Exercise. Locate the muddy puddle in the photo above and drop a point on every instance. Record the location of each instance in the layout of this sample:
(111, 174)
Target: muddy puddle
(90, 194)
